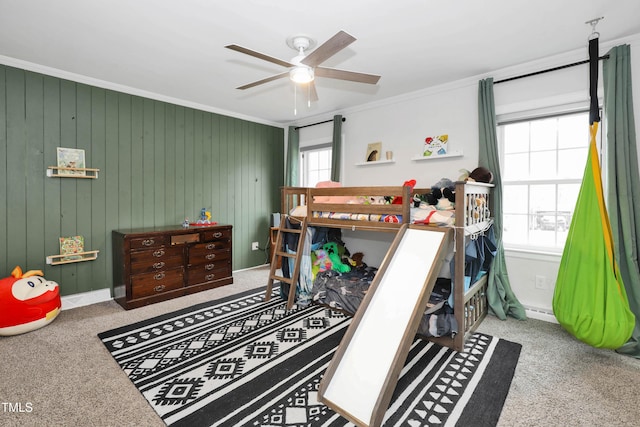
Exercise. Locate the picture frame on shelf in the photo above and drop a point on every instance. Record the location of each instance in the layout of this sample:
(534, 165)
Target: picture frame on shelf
(374, 152)
(435, 145)
(71, 161)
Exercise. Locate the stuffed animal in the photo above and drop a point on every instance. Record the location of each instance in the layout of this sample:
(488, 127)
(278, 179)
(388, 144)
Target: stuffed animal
(376, 200)
(479, 174)
(357, 259)
(319, 262)
(442, 195)
(331, 248)
(420, 200)
(397, 200)
(28, 302)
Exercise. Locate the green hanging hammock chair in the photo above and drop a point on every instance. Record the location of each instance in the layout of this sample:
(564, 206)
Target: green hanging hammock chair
(590, 300)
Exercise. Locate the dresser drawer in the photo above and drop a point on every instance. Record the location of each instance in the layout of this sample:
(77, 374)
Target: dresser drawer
(203, 255)
(148, 284)
(217, 235)
(147, 242)
(209, 272)
(210, 246)
(161, 258)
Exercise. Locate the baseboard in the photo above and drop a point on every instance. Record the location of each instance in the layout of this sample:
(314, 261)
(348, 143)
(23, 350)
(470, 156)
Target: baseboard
(85, 298)
(255, 267)
(540, 314)
(102, 295)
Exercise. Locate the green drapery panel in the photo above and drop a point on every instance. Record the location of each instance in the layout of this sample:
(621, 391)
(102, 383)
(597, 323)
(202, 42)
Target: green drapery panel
(502, 300)
(293, 153)
(623, 181)
(336, 148)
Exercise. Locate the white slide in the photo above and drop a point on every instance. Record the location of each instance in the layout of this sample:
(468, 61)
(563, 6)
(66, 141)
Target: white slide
(362, 375)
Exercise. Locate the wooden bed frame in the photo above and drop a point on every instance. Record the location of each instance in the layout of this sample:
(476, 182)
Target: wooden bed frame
(470, 307)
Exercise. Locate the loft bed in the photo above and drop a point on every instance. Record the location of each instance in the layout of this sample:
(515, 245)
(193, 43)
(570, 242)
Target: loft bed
(364, 208)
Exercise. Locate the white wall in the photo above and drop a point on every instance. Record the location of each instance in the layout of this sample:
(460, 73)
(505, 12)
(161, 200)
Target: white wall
(402, 125)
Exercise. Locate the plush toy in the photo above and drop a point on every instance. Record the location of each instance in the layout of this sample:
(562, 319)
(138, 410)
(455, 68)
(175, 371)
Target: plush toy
(376, 200)
(420, 200)
(397, 200)
(28, 302)
(357, 259)
(319, 262)
(479, 174)
(442, 195)
(331, 248)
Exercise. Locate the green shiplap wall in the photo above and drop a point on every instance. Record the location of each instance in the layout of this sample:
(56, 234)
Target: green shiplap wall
(159, 163)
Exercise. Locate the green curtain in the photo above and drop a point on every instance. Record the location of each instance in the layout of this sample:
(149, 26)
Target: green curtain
(502, 300)
(336, 148)
(623, 181)
(293, 154)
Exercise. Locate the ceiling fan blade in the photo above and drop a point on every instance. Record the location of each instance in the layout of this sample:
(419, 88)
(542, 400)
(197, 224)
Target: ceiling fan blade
(268, 79)
(259, 55)
(334, 73)
(329, 48)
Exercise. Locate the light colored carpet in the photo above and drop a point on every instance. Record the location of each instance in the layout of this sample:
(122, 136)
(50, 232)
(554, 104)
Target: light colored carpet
(62, 375)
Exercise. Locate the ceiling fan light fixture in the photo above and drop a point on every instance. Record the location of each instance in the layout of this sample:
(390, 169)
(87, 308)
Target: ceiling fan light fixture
(301, 74)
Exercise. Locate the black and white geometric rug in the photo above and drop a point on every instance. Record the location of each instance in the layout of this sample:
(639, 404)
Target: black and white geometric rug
(240, 361)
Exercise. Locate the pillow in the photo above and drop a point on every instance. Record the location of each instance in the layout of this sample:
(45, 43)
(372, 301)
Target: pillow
(299, 211)
(330, 199)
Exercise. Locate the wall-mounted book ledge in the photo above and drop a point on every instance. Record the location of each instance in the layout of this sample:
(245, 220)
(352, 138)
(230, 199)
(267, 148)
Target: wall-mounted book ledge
(438, 156)
(68, 259)
(61, 172)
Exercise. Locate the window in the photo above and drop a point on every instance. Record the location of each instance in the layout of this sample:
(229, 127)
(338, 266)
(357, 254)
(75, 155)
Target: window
(542, 160)
(315, 164)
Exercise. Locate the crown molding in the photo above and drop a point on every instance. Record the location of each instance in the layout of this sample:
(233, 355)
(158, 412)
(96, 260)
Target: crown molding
(79, 78)
(528, 67)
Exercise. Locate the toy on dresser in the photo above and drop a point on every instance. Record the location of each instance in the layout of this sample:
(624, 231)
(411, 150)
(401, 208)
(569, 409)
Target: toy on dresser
(28, 300)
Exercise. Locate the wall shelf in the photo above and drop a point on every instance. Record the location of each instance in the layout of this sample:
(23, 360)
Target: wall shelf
(441, 156)
(59, 172)
(79, 257)
(377, 162)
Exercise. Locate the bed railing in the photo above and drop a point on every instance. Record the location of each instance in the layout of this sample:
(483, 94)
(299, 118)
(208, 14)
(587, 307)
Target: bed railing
(473, 208)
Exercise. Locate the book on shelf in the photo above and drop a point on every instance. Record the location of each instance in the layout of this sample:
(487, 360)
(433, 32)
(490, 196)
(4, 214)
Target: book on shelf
(70, 158)
(71, 246)
(435, 145)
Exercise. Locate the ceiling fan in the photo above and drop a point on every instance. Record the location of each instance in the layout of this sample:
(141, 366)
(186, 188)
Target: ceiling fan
(305, 67)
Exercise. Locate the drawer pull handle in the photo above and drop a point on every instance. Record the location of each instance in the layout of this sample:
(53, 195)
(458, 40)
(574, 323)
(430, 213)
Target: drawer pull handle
(209, 266)
(159, 276)
(159, 288)
(158, 265)
(158, 253)
(218, 234)
(209, 277)
(148, 242)
(211, 246)
(210, 256)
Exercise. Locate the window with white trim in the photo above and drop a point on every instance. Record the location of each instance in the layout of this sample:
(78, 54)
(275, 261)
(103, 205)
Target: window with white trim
(315, 164)
(542, 161)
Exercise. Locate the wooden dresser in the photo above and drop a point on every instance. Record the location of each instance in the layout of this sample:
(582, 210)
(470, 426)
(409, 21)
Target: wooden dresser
(156, 264)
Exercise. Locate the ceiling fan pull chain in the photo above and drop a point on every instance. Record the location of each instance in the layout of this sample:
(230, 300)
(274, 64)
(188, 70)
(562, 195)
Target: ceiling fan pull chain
(295, 99)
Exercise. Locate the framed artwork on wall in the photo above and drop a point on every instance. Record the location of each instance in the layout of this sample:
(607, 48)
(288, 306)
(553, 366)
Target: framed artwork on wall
(374, 151)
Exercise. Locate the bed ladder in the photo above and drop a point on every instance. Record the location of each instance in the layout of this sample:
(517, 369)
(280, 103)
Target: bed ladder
(278, 254)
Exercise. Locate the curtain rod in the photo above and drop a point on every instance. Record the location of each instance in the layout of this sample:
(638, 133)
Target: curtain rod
(319, 123)
(561, 67)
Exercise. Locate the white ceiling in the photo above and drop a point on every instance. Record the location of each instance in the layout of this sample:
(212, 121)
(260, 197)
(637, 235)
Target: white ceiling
(174, 49)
